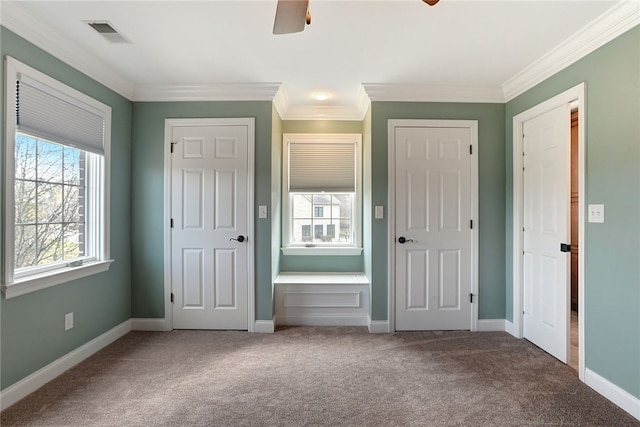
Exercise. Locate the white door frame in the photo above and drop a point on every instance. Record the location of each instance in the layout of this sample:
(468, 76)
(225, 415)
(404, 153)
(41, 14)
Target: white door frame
(576, 93)
(472, 125)
(169, 124)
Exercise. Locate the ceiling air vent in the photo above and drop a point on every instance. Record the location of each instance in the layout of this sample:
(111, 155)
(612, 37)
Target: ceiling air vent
(107, 31)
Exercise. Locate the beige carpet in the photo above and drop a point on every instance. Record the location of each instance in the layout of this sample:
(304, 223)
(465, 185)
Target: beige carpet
(317, 376)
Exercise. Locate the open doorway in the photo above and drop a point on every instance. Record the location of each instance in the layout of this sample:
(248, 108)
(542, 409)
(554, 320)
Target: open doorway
(542, 292)
(574, 338)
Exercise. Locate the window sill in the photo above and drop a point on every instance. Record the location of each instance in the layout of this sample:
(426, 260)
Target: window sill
(321, 251)
(37, 282)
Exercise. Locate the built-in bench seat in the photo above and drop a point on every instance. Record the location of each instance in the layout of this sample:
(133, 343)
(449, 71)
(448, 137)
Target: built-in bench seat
(322, 299)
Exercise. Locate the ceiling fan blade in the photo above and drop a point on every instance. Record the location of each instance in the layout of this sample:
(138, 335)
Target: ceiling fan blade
(291, 16)
(431, 2)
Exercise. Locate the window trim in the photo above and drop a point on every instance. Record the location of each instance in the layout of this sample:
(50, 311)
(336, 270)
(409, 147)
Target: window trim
(327, 249)
(11, 286)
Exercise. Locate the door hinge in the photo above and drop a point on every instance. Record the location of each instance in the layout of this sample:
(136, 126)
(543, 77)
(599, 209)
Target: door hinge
(565, 247)
(172, 144)
(471, 298)
(171, 223)
(471, 149)
(171, 297)
(471, 223)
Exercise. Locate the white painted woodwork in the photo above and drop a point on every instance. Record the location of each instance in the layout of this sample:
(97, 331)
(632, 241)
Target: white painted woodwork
(433, 208)
(209, 196)
(322, 299)
(546, 198)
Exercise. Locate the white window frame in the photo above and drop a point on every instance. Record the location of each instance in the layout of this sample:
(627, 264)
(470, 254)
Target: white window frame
(287, 206)
(97, 194)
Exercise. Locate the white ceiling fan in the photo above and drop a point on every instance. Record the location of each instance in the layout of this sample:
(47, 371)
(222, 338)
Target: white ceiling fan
(293, 15)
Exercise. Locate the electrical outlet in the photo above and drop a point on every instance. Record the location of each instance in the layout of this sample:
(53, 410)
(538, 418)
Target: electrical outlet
(68, 321)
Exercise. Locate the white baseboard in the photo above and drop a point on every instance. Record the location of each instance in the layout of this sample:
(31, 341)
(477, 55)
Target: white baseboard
(31, 383)
(322, 320)
(379, 326)
(620, 397)
(151, 324)
(264, 326)
(491, 325)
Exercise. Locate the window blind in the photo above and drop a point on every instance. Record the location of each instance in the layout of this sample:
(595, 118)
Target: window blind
(322, 166)
(45, 113)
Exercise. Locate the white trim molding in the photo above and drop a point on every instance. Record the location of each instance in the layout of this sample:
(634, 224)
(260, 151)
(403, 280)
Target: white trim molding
(492, 325)
(159, 324)
(286, 111)
(606, 27)
(264, 326)
(379, 326)
(433, 93)
(31, 383)
(617, 395)
(206, 92)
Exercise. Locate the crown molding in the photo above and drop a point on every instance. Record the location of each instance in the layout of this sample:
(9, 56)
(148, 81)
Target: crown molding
(432, 93)
(206, 92)
(17, 19)
(611, 24)
(321, 112)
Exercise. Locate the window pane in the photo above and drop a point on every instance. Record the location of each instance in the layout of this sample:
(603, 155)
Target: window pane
(345, 231)
(73, 161)
(25, 157)
(25, 205)
(25, 247)
(302, 231)
(49, 243)
(302, 205)
(318, 231)
(71, 246)
(49, 202)
(49, 160)
(72, 206)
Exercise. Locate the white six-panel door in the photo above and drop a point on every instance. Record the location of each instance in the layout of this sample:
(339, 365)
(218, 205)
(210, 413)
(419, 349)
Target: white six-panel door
(545, 226)
(433, 210)
(209, 196)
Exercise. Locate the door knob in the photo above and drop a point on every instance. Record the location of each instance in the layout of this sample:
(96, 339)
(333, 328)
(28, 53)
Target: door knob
(401, 239)
(240, 238)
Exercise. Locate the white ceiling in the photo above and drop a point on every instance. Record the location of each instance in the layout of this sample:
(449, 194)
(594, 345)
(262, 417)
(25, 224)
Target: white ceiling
(191, 47)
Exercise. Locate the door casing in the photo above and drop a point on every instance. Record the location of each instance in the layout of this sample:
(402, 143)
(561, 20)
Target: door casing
(168, 131)
(575, 94)
(472, 125)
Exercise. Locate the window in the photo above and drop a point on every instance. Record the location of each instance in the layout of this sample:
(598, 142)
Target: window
(321, 192)
(57, 158)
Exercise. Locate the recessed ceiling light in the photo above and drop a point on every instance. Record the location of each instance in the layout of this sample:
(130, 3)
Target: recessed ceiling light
(321, 96)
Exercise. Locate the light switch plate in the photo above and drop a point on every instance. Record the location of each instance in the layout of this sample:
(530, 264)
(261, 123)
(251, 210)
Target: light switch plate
(379, 214)
(262, 211)
(596, 213)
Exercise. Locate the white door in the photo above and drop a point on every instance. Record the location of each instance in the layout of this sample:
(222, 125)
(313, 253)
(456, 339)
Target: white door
(546, 226)
(209, 242)
(433, 213)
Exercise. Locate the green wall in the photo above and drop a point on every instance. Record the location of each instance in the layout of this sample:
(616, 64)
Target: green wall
(32, 325)
(491, 167)
(612, 249)
(308, 263)
(147, 193)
